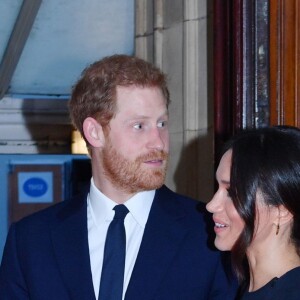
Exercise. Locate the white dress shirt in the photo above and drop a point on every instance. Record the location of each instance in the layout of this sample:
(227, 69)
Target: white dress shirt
(99, 215)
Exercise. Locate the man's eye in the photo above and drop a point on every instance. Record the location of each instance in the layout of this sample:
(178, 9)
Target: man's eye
(138, 126)
(162, 124)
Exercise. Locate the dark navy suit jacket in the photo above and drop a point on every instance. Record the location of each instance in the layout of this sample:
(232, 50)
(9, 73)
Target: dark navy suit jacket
(46, 255)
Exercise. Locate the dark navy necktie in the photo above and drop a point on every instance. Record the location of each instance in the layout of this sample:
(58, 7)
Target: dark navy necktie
(112, 276)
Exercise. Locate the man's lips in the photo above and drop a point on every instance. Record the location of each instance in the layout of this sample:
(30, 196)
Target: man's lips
(154, 162)
(154, 158)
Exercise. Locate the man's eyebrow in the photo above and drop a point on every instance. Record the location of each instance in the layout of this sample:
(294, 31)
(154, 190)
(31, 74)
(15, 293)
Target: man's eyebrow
(137, 117)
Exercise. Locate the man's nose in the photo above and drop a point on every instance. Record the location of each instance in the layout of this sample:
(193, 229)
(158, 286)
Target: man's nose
(156, 139)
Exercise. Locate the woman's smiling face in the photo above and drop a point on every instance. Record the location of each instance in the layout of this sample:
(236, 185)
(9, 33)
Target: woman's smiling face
(228, 223)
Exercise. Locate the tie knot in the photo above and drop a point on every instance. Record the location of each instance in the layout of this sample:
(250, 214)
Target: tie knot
(120, 211)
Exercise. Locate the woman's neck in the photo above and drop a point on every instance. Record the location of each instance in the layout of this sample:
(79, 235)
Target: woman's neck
(270, 260)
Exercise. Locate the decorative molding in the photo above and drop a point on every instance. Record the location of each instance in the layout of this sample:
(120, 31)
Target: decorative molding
(192, 79)
(285, 62)
(144, 12)
(36, 126)
(158, 33)
(241, 52)
(33, 111)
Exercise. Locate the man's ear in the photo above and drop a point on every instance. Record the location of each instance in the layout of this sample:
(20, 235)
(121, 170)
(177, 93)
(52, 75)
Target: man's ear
(93, 132)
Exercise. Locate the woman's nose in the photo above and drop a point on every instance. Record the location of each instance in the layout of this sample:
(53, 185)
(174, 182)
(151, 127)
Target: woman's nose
(214, 204)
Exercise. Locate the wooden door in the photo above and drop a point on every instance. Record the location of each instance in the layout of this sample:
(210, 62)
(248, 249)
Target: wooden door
(285, 62)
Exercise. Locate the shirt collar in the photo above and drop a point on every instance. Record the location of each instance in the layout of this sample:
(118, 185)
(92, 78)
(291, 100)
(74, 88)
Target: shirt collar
(102, 207)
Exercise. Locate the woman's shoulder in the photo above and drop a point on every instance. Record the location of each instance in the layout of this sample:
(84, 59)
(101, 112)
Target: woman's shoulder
(292, 274)
(288, 284)
(285, 287)
(289, 279)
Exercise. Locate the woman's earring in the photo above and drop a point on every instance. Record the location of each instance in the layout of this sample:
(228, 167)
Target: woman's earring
(277, 229)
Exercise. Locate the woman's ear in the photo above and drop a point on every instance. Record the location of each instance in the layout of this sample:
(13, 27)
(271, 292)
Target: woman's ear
(93, 132)
(284, 215)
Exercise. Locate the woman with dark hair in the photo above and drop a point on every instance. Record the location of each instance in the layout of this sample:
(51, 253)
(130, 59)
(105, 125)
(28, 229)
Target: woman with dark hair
(256, 211)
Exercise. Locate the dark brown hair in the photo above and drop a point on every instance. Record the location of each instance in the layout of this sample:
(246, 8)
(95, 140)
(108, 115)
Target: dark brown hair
(268, 160)
(94, 95)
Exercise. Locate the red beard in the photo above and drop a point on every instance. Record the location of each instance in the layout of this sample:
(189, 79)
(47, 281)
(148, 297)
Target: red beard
(131, 176)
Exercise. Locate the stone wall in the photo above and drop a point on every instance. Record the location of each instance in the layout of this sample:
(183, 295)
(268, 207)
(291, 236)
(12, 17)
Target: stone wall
(175, 35)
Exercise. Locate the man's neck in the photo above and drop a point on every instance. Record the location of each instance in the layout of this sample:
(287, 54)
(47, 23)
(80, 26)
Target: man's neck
(112, 192)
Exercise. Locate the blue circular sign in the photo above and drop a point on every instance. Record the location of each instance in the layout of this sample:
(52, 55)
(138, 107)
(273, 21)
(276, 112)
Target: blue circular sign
(35, 187)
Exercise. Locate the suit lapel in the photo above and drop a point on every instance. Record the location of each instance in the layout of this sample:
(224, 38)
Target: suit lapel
(162, 237)
(70, 242)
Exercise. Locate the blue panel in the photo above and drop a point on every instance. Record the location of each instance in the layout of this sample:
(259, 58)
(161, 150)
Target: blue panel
(9, 160)
(35, 187)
